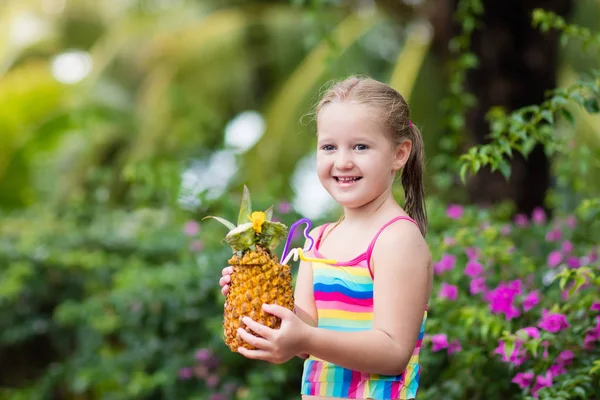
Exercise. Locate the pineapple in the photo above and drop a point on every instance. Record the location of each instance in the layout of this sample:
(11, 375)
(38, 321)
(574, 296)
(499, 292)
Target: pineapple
(257, 276)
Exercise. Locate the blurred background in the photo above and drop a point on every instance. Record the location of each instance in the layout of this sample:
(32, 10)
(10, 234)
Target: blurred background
(124, 122)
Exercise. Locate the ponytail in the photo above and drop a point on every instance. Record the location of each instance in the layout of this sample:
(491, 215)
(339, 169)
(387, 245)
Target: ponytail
(412, 181)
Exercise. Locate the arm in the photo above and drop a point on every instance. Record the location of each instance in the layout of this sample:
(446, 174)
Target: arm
(401, 291)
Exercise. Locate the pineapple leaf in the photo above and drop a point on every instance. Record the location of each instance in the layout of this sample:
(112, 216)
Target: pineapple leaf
(221, 220)
(246, 207)
(269, 213)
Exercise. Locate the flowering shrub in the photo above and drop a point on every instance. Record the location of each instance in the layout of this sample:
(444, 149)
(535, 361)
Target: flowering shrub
(515, 310)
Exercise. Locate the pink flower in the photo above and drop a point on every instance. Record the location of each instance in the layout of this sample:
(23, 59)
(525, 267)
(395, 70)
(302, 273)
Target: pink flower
(571, 221)
(531, 300)
(553, 322)
(553, 235)
(518, 355)
(554, 258)
(212, 381)
(472, 253)
(557, 369)
(284, 207)
(447, 263)
(595, 306)
(565, 357)
(538, 216)
(591, 336)
(567, 246)
(448, 291)
(454, 347)
(593, 256)
(186, 373)
(454, 211)
(203, 355)
(191, 228)
(449, 241)
(521, 220)
(473, 269)
(196, 246)
(523, 379)
(531, 331)
(541, 381)
(501, 299)
(573, 262)
(439, 342)
(477, 286)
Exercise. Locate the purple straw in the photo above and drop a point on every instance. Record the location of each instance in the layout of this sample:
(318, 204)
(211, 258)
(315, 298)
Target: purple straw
(291, 232)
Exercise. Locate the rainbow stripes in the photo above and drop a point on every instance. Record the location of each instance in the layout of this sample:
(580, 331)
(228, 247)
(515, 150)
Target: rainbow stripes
(344, 300)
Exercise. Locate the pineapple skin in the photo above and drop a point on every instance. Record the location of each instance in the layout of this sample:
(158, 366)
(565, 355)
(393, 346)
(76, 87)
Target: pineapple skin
(257, 278)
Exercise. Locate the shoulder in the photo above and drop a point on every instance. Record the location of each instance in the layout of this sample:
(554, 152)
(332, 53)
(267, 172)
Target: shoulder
(402, 240)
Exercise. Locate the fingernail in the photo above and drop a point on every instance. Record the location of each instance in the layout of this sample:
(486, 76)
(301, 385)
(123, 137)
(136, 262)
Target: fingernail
(240, 330)
(245, 320)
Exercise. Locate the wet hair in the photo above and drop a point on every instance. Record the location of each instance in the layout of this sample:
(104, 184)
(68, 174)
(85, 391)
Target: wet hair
(396, 115)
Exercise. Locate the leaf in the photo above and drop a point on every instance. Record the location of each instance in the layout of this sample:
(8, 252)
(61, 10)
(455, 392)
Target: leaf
(269, 213)
(221, 220)
(567, 114)
(504, 168)
(591, 105)
(547, 115)
(246, 208)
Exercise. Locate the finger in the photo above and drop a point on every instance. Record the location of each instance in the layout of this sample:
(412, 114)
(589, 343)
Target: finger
(254, 354)
(254, 341)
(277, 310)
(224, 280)
(257, 328)
(225, 290)
(227, 271)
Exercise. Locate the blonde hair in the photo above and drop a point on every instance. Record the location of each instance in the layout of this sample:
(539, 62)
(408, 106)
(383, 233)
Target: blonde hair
(396, 114)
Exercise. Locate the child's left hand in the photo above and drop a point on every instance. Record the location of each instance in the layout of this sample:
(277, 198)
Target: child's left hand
(275, 345)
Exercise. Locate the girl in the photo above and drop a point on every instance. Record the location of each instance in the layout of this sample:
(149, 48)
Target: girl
(359, 321)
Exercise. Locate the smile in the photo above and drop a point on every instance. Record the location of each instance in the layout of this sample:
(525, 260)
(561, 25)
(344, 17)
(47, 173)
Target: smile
(347, 179)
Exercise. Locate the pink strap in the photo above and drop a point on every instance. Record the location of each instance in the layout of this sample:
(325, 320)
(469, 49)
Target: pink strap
(320, 236)
(372, 245)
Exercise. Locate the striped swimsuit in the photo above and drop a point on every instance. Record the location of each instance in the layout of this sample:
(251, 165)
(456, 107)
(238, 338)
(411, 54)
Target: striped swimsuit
(344, 300)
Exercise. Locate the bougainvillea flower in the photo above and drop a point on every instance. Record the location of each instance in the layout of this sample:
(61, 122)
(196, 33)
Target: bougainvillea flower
(553, 322)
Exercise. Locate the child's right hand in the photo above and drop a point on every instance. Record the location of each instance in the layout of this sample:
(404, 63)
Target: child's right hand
(225, 279)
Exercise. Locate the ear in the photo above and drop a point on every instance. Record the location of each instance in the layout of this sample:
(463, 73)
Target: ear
(401, 155)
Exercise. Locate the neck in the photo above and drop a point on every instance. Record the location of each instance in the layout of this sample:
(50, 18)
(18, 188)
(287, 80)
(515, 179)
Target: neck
(367, 212)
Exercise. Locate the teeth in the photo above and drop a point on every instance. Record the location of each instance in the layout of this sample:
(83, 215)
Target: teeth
(346, 179)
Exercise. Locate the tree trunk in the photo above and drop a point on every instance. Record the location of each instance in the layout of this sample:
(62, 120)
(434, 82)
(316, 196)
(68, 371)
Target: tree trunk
(517, 65)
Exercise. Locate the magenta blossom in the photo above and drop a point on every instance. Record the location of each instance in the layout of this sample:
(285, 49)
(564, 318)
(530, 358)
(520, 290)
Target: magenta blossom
(538, 216)
(553, 235)
(565, 357)
(506, 230)
(454, 211)
(595, 306)
(203, 355)
(284, 207)
(531, 300)
(454, 346)
(447, 263)
(523, 379)
(502, 297)
(477, 286)
(212, 381)
(553, 322)
(439, 342)
(521, 220)
(448, 291)
(473, 269)
(449, 241)
(472, 253)
(554, 258)
(531, 331)
(191, 228)
(196, 246)
(186, 373)
(573, 262)
(541, 381)
(571, 221)
(518, 355)
(567, 246)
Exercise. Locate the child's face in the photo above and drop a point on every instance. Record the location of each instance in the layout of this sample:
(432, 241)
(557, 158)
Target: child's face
(356, 158)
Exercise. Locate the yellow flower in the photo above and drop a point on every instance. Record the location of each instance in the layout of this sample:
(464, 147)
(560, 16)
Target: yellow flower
(258, 218)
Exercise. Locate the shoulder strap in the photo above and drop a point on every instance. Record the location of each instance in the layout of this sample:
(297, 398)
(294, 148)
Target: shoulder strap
(372, 245)
(317, 244)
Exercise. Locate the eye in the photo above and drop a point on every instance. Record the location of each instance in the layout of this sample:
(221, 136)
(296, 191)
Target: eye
(361, 147)
(327, 147)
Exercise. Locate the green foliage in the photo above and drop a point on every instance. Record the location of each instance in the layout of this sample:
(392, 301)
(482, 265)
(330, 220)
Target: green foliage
(547, 20)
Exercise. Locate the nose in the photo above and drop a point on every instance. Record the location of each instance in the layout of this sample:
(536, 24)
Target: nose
(344, 160)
